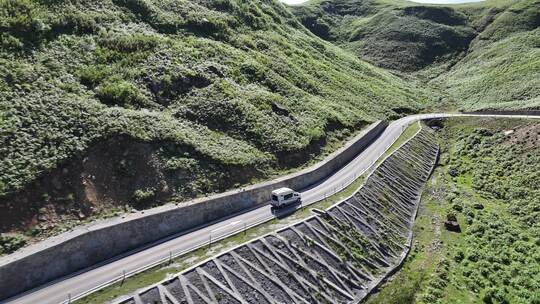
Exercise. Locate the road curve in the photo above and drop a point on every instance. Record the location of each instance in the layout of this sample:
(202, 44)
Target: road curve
(84, 281)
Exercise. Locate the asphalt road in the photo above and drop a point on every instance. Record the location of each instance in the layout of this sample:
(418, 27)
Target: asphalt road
(79, 283)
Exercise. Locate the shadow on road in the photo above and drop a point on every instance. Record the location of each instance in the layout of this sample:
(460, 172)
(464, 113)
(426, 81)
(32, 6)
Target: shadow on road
(283, 212)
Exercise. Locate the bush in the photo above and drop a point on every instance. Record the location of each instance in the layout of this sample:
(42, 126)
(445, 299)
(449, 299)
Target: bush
(20, 24)
(11, 242)
(494, 296)
(129, 43)
(93, 75)
(120, 93)
(74, 23)
(144, 195)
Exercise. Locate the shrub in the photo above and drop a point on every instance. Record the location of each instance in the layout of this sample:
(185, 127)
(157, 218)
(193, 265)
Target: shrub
(143, 195)
(120, 93)
(129, 43)
(11, 242)
(457, 207)
(459, 256)
(19, 23)
(93, 75)
(74, 23)
(494, 296)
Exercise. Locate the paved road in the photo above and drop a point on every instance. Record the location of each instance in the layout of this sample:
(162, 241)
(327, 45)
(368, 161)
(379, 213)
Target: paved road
(57, 292)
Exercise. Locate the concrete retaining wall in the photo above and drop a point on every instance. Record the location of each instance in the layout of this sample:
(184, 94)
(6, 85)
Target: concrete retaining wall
(87, 246)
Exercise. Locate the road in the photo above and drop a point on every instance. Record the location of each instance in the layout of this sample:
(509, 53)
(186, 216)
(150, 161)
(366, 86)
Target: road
(82, 282)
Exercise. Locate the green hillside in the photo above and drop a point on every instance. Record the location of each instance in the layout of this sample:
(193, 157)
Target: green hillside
(487, 179)
(483, 55)
(108, 104)
(502, 66)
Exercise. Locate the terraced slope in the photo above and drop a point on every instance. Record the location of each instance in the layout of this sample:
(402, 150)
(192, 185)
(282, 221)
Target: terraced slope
(482, 55)
(335, 257)
(112, 104)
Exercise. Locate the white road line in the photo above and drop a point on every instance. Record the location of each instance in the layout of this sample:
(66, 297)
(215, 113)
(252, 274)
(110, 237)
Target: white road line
(226, 225)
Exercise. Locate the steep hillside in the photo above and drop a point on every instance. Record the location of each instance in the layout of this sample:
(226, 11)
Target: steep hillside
(502, 66)
(109, 104)
(485, 54)
(395, 35)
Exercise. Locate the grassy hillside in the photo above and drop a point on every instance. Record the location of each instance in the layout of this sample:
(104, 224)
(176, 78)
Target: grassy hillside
(397, 35)
(110, 104)
(483, 55)
(487, 179)
(502, 66)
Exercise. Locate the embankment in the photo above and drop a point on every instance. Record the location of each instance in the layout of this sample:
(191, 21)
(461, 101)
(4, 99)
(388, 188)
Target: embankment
(336, 256)
(87, 246)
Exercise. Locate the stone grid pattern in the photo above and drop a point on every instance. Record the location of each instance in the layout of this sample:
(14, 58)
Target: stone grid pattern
(334, 257)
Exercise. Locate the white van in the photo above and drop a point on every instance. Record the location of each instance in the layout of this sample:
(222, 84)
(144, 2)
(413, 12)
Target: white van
(284, 196)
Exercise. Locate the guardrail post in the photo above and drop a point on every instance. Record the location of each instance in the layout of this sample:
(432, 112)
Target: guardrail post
(123, 277)
(245, 229)
(69, 298)
(210, 242)
(170, 257)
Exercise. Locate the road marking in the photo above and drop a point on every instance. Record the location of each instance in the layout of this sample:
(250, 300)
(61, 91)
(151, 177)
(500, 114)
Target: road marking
(225, 226)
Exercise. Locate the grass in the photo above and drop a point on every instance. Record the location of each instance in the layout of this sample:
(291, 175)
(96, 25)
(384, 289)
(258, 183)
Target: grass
(494, 258)
(181, 263)
(240, 91)
(501, 75)
(473, 56)
(161, 272)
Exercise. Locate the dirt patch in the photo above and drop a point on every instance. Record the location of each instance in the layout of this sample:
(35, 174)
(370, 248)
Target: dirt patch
(106, 176)
(526, 136)
(114, 176)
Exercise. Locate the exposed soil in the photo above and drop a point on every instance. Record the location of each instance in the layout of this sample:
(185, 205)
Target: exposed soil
(106, 176)
(121, 174)
(115, 175)
(526, 136)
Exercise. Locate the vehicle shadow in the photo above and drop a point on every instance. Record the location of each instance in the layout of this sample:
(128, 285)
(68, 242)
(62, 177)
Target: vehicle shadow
(283, 212)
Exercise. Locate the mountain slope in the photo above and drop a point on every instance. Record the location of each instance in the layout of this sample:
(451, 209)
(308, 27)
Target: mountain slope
(486, 55)
(502, 66)
(396, 35)
(115, 103)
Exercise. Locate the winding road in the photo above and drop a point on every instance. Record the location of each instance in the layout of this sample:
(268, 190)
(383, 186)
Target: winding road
(83, 282)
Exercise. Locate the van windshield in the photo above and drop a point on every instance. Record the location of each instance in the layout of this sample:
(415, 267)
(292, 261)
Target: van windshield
(288, 196)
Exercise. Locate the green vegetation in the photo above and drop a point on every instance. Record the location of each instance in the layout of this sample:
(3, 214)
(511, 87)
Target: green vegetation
(101, 101)
(487, 178)
(474, 56)
(239, 91)
(160, 272)
(396, 36)
(11, 242)
(183, 262)
(408, 133)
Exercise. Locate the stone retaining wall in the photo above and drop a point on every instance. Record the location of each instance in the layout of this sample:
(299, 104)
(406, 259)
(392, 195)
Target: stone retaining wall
(87, 246)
